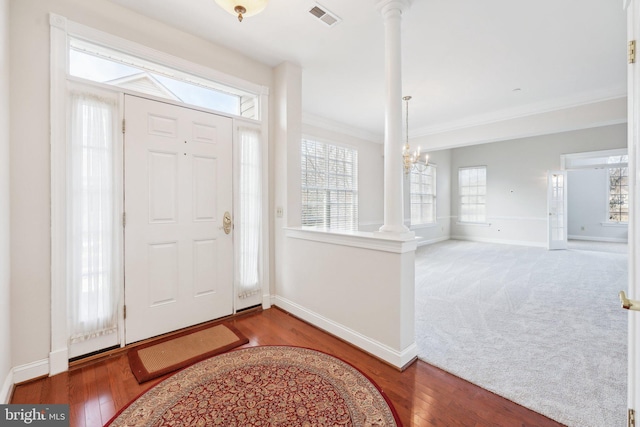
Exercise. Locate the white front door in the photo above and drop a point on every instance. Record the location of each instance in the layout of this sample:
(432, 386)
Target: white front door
(557, 206)
(178, 187)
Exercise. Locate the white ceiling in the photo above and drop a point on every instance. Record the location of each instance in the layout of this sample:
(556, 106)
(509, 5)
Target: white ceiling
(462, 59)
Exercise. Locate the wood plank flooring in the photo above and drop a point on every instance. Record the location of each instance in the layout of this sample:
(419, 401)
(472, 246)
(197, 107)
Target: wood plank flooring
(422, 395)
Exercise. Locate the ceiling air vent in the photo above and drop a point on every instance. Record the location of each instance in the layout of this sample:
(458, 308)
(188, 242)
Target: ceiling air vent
(324, 15)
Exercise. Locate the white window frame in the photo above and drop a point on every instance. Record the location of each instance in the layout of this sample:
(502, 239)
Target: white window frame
(461, 219)
(428, 199)
(60, 31)
(328, 189)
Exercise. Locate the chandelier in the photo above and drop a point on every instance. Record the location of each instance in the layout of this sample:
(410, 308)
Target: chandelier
(242, 8)
(412, 160)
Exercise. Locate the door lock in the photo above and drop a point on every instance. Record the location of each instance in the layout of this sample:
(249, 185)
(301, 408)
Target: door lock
(226, 222)
(628, 304)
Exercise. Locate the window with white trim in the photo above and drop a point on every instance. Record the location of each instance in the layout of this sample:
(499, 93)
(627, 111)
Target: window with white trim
(472, 193)
(618, 177)
(111, 67)
(329, 185)
(422, 195)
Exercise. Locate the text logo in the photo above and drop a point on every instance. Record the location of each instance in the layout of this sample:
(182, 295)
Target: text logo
(34, 415)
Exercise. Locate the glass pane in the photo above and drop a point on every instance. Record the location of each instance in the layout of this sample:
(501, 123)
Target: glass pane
(113, 72)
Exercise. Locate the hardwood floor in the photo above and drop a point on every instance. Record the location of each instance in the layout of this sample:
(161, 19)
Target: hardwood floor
(422, 395)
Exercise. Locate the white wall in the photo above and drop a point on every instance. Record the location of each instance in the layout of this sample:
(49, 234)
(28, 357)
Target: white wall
(587, 205)
(30, 170)
(358, 286)
(5, 260)
(517, 181)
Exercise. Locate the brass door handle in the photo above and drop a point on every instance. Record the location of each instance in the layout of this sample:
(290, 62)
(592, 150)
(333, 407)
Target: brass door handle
(227, 223)
(628, 304)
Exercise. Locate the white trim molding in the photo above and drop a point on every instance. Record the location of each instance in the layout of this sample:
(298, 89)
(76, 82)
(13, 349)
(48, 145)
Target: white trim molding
(598, 239)
(501, 241)
(356, 239)
(526, 111)
(327, 124)
(7, 388)
(397, 359)
(29, 371)
(58, 119)
(424, 242)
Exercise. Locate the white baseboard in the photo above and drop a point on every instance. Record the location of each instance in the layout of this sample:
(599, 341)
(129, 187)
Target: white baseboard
(396, 358)
(267, 301)
(58, 361)
(424, 242)
(30, 371)
(7, 387)
(500, 241)
(598, 239)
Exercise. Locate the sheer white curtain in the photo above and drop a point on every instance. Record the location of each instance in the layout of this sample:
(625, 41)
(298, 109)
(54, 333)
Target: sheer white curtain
(249, 217)
(92, 232)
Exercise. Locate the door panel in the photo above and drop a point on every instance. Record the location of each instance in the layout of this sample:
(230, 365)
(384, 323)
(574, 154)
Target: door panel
(178, 185)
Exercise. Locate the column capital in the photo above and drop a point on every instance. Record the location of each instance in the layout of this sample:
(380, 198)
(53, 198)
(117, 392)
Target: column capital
(386, 6)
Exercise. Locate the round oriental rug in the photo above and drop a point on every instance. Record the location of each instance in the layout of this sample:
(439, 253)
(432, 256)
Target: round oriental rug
(263, 386)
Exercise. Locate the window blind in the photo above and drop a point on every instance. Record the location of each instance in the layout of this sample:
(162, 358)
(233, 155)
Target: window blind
(329, 185)
(472, 190)
(422, 193)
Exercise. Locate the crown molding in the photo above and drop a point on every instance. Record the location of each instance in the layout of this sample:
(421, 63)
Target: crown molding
(519, 112)
(327, 124)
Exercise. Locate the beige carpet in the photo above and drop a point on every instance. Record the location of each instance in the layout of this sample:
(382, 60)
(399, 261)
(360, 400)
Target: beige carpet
(541, 328)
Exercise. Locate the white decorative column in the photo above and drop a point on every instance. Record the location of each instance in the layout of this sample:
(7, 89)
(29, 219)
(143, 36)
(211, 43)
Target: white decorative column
(391, 11)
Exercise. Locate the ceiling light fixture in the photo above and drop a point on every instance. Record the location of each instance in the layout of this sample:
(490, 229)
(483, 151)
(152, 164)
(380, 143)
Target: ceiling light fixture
(411, 160)
(242, 8)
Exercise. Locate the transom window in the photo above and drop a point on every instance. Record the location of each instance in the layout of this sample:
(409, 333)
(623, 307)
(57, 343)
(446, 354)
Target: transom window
(329, 185)
(422, 193)
(472, 190)
(109, 66)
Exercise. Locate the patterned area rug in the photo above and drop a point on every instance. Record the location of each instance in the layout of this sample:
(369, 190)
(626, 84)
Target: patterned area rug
(263, 386)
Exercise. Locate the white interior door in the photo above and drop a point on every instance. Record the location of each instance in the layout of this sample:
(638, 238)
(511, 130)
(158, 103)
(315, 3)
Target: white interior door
(633, 125)
(178, 186)
(557, 206)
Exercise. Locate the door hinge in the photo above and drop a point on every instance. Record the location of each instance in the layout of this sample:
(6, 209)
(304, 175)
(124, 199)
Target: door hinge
(632, 52)
(124, 311)
(631, 418)
(123, 127)
(124, 219)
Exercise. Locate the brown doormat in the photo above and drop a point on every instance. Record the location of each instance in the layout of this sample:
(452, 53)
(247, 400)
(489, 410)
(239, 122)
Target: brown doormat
(160, 357)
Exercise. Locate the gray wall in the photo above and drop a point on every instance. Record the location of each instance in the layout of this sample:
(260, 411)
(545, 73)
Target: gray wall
(588, 198)
(517, 181)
